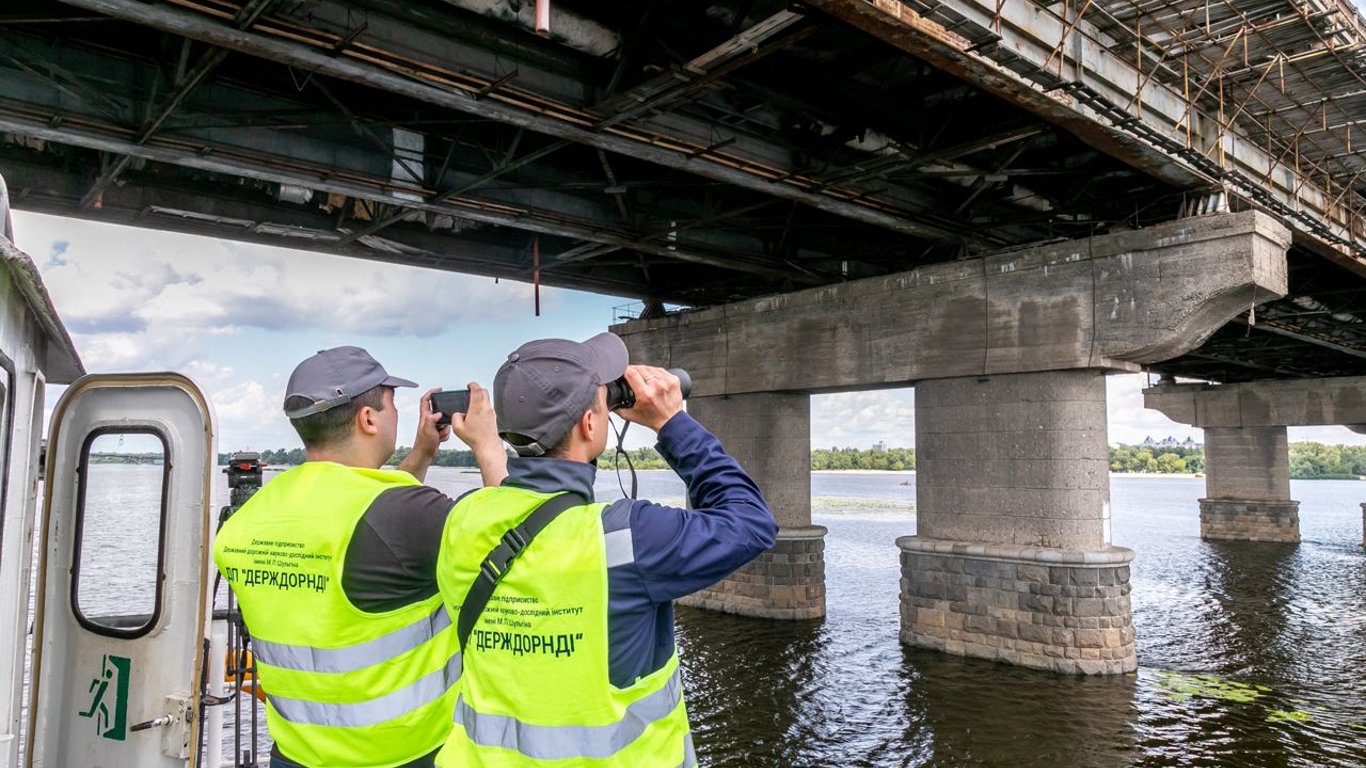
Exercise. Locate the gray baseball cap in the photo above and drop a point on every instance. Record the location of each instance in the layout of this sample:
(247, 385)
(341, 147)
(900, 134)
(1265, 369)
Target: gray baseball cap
(546, 385)
(334, 376)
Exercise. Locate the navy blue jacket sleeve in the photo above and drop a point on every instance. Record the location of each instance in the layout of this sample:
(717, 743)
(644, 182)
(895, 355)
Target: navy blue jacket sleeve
(679, 551)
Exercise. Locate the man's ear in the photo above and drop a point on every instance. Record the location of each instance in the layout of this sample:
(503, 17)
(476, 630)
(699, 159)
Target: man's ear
(587, 425)
(366, 420)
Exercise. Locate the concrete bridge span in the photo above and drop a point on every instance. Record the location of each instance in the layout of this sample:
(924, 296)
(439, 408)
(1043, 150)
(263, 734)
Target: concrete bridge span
(1012, 558)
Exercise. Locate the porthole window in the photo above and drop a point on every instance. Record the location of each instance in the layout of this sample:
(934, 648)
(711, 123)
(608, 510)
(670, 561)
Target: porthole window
(120, 527)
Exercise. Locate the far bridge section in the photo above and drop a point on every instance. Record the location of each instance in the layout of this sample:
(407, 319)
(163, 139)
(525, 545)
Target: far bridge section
(995, 200)
(1247, 458)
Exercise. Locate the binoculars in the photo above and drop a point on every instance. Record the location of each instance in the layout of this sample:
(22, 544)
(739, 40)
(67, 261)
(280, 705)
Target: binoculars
(620, 395)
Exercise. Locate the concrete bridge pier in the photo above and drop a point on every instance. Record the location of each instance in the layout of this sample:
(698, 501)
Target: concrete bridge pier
(1247, 458)
(1011, 560)
(769, 433)
(1247, 486)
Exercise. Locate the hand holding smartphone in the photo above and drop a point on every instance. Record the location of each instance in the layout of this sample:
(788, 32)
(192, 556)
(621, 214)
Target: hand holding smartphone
(454, 401)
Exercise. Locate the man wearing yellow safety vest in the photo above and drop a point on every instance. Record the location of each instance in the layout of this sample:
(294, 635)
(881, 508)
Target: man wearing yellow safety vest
(571, 661)
(334, 566)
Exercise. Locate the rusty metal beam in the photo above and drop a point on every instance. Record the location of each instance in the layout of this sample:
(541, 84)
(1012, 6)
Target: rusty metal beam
(701, 72)
(225, 161)
(1270, 326)
(246, 17)
(1091, 107)
(430, 88)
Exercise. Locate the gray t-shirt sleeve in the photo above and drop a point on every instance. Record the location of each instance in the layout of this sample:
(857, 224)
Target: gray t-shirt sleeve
(391, 561)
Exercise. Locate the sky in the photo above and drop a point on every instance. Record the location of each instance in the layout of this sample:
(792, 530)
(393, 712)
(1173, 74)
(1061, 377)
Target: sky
(238, 317)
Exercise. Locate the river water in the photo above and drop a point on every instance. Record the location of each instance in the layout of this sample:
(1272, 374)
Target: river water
(1249, 654)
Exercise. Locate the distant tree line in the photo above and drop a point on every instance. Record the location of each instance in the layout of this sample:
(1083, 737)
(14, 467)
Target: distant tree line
(1144, 458)
(1314, 461)
(292, 457)
(288, 456)
(127, 458)
(893, 459)
(1308, 461)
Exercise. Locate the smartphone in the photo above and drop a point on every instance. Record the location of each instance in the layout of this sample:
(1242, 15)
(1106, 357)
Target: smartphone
(448, 402)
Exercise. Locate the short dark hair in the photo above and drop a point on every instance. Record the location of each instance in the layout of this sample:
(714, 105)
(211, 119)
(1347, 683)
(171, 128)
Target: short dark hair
(561, 447)
(332, 426)
(559, 450)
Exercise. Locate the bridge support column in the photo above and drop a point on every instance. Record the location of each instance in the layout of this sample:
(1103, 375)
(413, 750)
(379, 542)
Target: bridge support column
(1247, 460)
(770, 435)
(1011, 560)
(1247, 484)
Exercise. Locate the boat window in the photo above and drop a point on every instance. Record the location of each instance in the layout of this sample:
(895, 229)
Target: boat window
(120, 524)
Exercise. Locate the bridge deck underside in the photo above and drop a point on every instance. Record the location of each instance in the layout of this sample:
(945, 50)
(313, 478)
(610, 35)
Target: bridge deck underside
(682, 153)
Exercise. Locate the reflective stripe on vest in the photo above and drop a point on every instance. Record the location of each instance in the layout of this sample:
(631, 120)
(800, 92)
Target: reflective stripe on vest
(563, 742)
(537, 688)
(362, 713)
(305, 658)
(689, 754)
(340, 681)
(621, 548)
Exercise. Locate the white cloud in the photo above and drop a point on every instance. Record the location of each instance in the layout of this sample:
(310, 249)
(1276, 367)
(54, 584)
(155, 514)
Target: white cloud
(859, 419)
(1130, 422)
(139, 299)
(247, 417)
(1330, 435)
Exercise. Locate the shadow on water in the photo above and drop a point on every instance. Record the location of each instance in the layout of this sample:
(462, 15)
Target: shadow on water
(795, 694)
(760, 710)
(1251, 589)
(982, 713)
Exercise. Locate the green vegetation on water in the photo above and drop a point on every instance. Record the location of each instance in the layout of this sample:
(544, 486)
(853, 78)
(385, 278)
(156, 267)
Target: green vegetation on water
(1308, 461)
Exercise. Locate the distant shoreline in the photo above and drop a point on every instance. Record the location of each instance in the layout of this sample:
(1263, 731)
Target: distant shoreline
(912, 472)
(1141, 475)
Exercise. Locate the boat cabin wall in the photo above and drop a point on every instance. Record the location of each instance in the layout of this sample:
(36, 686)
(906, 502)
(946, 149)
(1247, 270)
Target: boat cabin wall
(23, 347)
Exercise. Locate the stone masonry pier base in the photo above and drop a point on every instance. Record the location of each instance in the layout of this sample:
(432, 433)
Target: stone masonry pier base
(1240, 520)
(1058, 610)
(1247, 482)
(769, 433)
(1012, 558)
(786, 582)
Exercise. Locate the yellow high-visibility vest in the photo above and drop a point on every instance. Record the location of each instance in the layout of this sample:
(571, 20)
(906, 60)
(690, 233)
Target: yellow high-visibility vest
(536, 689)
(344, 688)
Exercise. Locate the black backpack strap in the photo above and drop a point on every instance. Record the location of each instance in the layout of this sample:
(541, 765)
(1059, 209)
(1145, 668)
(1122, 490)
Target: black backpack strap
(500, 558)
